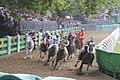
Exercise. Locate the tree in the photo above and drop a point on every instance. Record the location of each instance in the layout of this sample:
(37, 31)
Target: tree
(63, 7)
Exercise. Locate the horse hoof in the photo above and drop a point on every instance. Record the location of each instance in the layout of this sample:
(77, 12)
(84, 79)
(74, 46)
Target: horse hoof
(65, 60)
(26, 57)
(60, 68)
(86, 74)
(45, 64)
(42, 57)
(79, 73)
(75, 66)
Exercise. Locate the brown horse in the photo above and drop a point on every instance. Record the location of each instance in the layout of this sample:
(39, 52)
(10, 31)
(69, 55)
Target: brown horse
(43, 49)
(60, 58)
(52, 52)
(78, 45)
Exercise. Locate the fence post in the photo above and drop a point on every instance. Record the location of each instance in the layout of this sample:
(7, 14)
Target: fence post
(8, 44)
(18, 43)
(26, 35)
(39, 37)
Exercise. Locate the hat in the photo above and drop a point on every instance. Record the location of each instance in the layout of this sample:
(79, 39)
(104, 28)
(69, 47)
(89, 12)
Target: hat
(92, 37)
(82, 29)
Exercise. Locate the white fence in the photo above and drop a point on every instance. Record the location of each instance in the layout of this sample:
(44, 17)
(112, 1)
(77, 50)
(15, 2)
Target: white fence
(109, 43)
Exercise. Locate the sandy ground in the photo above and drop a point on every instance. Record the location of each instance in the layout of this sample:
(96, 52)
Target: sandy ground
(16, 64)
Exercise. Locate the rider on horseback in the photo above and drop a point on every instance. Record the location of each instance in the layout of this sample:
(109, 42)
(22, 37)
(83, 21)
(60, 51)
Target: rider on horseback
(87, 54)
(81, 36)
(70, 37)
(65, 43)
(62, 34)
(33, 36)
(29, 48)
(91, 43)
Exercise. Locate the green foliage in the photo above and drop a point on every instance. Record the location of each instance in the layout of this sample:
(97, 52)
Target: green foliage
(63, 7)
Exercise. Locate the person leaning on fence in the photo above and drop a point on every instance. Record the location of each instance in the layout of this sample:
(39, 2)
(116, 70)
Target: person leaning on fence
(81, 36)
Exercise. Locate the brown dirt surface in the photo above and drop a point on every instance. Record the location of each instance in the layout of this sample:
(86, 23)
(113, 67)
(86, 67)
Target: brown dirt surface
(16, 64)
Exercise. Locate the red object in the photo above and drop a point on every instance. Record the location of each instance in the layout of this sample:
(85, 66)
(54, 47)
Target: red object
(81, 36)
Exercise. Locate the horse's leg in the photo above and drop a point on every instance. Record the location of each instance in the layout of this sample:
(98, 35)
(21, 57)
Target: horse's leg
(53, 60)
(26, 53)
(60, 64)
(88, 66)
(48, 60)
(40, 53)
(31, 52)
(77, 63)
(77, 52)
(71, 55)
(81, 66)
(57, 60)
(45, 55)
(68, 56)
(74, 50)
(66, 52)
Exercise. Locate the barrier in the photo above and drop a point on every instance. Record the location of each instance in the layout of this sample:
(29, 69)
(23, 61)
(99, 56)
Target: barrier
(25, 26)
(107, 60)
(110, 41)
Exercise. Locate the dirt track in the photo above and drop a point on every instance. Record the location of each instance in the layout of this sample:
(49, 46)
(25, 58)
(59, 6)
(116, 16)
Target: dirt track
(16, 64)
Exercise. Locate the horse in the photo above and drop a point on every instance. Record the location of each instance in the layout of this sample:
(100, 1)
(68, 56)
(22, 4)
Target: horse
(29, 48)
(43, 49)
(86, 56)
(60, 57)
(78, 46)
(52, 51)
(70, 49)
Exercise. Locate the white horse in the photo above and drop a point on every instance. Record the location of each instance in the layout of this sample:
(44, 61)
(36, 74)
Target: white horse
(29, 47)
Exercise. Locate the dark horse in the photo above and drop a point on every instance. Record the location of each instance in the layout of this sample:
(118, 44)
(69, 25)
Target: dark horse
(52, 51)
(86, 56)
(43, 48)
(60, 57)
(70, 49)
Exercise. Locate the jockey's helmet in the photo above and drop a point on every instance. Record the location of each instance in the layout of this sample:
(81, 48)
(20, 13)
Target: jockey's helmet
(33, 31)
(82, 29)
(92, 37)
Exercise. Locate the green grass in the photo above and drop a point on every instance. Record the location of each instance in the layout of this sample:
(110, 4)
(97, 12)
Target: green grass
(117, 48)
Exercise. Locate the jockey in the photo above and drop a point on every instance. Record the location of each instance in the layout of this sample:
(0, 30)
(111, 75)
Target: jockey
(30, 47)
(70, 38)
(81, 36)
(33, 36)
(62, 34)
(54, 44)
(46, 38)
(57, 38)
(91, 43)
(66, 41)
